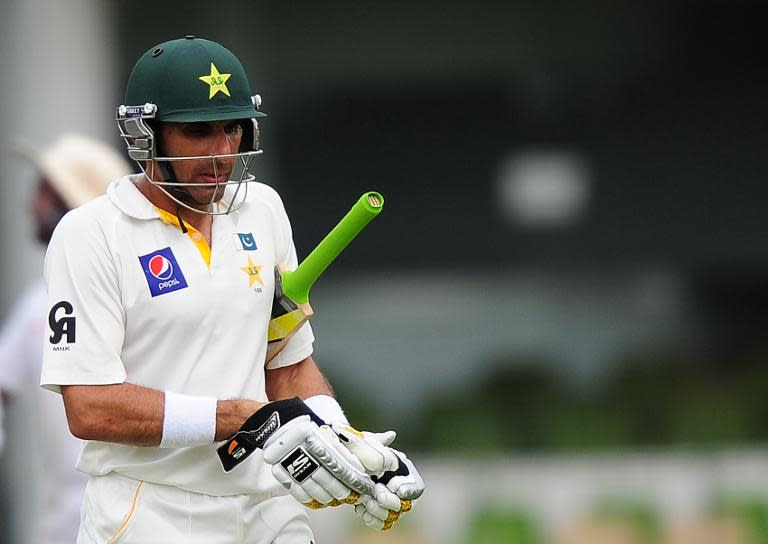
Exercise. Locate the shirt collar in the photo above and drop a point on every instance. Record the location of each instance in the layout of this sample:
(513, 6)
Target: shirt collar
(126, 196)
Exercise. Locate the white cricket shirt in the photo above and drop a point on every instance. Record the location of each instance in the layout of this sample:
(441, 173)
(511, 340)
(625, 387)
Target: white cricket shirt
(134, 299)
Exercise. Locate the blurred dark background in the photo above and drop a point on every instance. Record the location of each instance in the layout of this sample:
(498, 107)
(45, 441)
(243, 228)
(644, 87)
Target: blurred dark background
(572, 257)
(664, 100)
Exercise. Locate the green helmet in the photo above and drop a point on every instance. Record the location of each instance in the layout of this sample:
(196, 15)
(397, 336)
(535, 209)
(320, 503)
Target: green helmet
(191, 79)
(187, 80)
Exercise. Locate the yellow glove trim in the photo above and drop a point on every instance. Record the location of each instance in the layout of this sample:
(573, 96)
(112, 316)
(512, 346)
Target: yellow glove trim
(352, 498)
(355, 432)
(392, 517)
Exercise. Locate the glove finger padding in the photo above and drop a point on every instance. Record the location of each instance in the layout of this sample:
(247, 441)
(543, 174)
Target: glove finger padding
(381, 510)
(370, 448)
(314, 492)
(298, 492)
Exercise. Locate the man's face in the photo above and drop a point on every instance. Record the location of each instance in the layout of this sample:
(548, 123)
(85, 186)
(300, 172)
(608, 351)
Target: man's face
(47, 210)
(202, 139)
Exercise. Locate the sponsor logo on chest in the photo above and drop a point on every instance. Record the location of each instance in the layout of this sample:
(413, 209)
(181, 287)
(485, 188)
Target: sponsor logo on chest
(162, 271)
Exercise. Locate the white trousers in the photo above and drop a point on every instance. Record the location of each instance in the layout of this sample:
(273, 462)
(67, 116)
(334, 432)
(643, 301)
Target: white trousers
(122, 510)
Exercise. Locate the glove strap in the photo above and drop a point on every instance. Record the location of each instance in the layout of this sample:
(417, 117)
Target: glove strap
(259, 427)
(402, 470)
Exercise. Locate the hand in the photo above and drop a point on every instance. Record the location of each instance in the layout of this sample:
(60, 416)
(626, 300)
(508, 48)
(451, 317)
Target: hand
(382, 509)
(398, 483)
(306, 455)
(370, 448)
(313, 465)
(388, 465)
(405, 482)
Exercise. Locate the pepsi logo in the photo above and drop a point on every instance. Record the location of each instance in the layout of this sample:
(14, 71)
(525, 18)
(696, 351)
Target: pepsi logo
(162, 271)
(160, 267)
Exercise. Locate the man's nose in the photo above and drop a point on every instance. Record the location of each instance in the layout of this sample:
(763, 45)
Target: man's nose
(223, 144)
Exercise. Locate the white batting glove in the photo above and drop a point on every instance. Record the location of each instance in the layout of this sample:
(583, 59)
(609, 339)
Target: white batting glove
(370, 448)
(398, 483)
(306, 456)
(311, 462)
(382, 509)
(387, 465)
(405, 481)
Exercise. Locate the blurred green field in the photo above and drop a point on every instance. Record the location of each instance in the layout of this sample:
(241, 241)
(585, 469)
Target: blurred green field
(673, 403)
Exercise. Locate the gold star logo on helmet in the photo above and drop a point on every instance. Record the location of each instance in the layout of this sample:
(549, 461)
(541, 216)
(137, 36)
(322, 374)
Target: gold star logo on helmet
(217, 82)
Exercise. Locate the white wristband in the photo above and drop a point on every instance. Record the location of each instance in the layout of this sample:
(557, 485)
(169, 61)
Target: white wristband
(327, 408)
(188, 421)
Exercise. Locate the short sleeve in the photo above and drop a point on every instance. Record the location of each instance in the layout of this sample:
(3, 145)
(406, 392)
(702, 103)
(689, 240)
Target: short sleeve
(85, 319)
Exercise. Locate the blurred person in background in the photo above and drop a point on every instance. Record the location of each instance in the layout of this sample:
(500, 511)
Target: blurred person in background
(72, 171)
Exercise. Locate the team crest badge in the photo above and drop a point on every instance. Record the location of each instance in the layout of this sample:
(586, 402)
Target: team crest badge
(254, 273)
(162, 272)
(244, 241)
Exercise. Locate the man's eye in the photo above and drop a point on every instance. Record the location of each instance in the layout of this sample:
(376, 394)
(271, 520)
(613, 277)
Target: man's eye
(197, 130)
(235, 129)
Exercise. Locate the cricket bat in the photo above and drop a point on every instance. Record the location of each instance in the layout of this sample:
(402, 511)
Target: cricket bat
(290, 307)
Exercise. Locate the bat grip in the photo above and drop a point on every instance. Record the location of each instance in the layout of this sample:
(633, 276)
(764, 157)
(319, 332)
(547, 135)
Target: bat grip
(297, 283)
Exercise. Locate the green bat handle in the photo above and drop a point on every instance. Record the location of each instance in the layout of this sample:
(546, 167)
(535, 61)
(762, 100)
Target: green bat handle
(297, 283)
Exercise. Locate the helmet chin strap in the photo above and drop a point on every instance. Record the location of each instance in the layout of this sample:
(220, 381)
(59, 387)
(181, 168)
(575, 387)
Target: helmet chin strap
(176, 190)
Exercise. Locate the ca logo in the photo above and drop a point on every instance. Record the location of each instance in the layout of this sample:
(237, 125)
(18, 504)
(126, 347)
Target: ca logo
(63, 326)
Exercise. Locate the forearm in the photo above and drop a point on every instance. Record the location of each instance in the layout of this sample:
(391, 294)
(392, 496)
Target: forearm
(302, 380)
(133, 415)
(231, 414)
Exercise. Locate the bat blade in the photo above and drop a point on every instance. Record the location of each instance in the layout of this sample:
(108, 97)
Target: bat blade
(290, 307)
